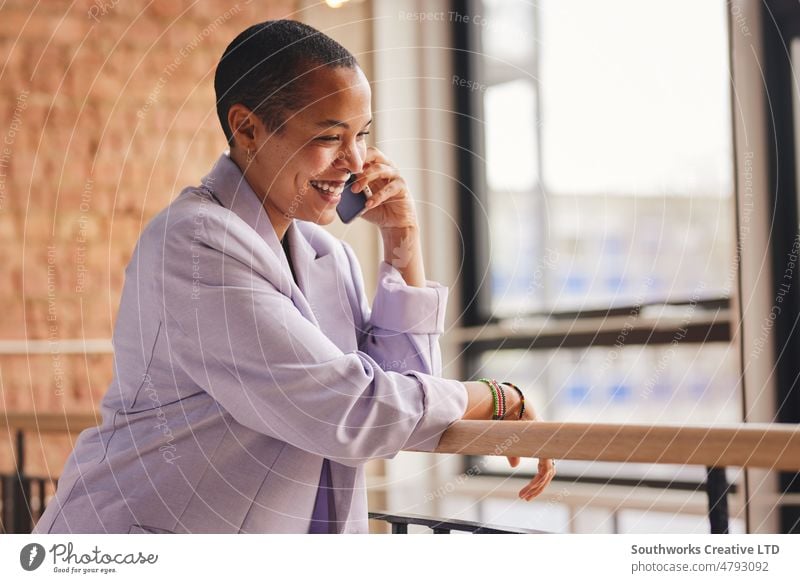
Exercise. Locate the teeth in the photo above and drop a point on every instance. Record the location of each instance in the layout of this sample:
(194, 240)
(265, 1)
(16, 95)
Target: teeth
(327, 187)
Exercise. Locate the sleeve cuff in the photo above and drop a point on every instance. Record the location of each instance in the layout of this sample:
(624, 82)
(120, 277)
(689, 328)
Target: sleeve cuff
(445, 402)
(399, 307)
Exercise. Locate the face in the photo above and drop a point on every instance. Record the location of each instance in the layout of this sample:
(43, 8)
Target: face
(300, 172)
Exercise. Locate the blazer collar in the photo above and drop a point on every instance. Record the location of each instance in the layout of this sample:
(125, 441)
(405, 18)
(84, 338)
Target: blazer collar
(228, 184)
(316, 276)
(232, 190)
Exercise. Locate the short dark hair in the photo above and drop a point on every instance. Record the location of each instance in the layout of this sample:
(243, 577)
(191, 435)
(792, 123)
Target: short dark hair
(262, 66)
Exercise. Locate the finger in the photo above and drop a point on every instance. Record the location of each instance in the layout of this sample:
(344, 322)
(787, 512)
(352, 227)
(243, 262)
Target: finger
(537, 484)
(534, 490)
(531, 486)
(531, 493)
(513, 461)
(374, 172)
(369, 180)
(388, 191)
(534, 494)
(374, 155)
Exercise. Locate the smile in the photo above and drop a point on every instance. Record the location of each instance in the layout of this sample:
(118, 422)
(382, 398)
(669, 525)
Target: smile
(328, 188)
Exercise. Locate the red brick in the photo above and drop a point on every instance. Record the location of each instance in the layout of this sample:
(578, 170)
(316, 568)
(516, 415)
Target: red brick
(81, 124)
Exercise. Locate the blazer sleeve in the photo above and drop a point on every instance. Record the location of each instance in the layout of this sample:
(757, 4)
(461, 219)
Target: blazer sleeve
(401, 331)
(243, 341)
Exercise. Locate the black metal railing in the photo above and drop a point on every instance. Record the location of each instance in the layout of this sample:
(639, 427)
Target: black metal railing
(717, 489)
(401, 522)
(22, 498)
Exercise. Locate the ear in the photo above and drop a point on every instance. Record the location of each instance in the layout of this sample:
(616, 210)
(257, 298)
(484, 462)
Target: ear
(245, 126)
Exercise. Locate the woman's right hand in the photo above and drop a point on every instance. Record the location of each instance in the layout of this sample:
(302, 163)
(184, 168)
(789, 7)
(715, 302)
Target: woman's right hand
(547, 467)
(479, 406)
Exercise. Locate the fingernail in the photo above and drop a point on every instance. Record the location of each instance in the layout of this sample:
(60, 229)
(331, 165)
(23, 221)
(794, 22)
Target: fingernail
(356, 187)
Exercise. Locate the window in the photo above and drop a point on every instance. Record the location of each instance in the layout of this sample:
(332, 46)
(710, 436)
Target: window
(608, 153)
(600, 211)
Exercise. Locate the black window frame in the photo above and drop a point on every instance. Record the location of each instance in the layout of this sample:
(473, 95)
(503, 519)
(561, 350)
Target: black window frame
(780, 26)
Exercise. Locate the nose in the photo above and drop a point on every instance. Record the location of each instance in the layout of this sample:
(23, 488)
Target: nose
(350, 158)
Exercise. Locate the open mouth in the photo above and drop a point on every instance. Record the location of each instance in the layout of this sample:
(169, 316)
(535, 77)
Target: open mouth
(330, 191)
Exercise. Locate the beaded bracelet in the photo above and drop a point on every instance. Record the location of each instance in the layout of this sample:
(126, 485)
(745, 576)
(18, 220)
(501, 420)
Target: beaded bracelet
(521, 397)
(502, 394)
(498, 399)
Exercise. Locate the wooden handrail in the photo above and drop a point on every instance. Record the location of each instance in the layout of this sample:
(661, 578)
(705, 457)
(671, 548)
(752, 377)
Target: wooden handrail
(774, 446)
(49, 422)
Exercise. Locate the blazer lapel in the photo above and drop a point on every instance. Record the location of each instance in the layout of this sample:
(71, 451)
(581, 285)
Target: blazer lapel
(228, 186)
(320, 282)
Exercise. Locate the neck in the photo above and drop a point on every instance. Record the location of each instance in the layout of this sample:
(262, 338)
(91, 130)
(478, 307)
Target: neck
(280, 223)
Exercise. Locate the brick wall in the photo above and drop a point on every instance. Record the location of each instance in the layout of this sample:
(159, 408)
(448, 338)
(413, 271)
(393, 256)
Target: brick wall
(108, 111)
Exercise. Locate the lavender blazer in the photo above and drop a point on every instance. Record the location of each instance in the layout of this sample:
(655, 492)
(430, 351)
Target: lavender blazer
(233, 383)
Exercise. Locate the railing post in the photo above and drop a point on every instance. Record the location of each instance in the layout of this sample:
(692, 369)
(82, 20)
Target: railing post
(5, 517)
(717, 488)
(20, 522)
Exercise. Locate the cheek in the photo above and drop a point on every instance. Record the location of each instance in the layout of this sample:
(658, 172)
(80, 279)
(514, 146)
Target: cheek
(317, 160)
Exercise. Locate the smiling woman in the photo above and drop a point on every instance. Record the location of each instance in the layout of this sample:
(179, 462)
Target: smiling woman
(298, 146)
(304, 154)
(253, 379)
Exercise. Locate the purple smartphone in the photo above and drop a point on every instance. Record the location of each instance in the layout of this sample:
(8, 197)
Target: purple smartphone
(352, 203)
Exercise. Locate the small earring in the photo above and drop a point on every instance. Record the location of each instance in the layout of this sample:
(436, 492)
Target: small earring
(249, 156)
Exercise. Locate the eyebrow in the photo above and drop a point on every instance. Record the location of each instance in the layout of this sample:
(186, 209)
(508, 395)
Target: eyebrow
(335, 122)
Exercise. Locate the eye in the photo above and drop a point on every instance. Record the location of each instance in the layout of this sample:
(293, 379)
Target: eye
(336, 138)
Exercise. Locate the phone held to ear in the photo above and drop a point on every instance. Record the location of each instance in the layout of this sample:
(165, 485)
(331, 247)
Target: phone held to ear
(352, 204)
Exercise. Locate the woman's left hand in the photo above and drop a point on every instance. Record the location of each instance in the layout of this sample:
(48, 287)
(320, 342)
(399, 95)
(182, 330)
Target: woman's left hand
(391, 205)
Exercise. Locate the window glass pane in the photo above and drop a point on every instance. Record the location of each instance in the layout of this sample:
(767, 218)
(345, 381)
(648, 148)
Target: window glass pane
(512, 175)
(509, 111)
(625, 250)
(519, 268)
(794, 47)
(647, 384)
(635, 97)
(506, 30)
(633, 200)
(631, 384)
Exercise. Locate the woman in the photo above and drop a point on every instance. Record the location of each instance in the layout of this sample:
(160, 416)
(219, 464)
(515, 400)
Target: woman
(252, 378)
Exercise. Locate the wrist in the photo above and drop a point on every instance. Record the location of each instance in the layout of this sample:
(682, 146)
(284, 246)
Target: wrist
(403, 251)
(403, 232)
(514, 403)
(517, 406)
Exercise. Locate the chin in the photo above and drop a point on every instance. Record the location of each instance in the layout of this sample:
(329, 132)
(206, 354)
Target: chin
(326, 217)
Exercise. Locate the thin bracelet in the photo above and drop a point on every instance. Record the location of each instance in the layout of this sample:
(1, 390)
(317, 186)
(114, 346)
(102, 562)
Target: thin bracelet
(521, 397)
(502, 393)
(498, 398)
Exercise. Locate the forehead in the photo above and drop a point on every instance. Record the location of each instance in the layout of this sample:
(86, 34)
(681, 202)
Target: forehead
(336, 93)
